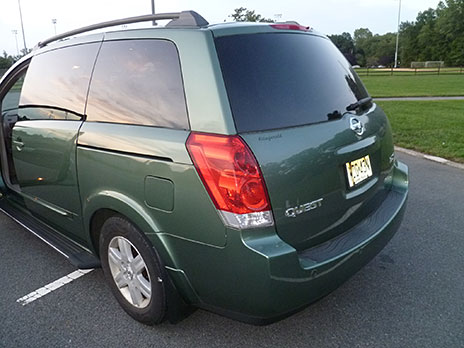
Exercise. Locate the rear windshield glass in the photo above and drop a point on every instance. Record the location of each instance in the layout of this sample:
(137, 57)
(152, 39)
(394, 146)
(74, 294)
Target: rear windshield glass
(277, 80)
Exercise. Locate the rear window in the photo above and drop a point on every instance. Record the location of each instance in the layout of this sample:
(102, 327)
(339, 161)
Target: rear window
(277, 80)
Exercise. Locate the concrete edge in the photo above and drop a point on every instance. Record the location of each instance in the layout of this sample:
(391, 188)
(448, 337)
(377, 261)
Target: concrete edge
(419, 98)
(430, 157)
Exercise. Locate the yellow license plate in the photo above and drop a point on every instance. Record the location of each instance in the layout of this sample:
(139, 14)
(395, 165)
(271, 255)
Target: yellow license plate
(359, 170)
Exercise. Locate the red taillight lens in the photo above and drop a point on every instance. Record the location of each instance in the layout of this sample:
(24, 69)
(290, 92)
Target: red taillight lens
(229, 172)
(289, 26)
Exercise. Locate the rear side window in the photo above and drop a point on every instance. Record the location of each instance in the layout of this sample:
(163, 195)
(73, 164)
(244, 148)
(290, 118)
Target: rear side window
(277, 80)
(138, 82)
(57, 82)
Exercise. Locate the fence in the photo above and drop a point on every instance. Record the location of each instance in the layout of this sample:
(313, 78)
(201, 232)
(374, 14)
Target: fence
(409, 71)
(428, 64)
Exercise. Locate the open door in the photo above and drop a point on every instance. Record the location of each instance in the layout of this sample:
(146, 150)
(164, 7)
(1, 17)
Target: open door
(40, 130)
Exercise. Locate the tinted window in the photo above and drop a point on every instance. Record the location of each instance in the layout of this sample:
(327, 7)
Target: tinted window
(10, 104)
(11, 99)
(282, 80)
(59, 80)
(138, 82)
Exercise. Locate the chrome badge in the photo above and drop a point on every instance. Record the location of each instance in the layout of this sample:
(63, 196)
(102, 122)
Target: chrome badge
(356, 126)
(303, 208)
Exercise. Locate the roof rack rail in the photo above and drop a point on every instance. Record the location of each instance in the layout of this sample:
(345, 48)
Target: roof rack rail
(178, 20)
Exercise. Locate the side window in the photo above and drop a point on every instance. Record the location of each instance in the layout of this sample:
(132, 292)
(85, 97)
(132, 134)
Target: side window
(56, 84)
(10, 104)
(138, 82)
(10, 101)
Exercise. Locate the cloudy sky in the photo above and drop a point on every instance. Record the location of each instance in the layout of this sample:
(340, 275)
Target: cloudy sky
(327, 16)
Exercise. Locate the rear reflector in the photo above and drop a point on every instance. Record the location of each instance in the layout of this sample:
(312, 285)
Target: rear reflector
(232, 178)
(288, 26)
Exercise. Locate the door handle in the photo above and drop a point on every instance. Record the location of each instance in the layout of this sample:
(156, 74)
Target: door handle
(19, 144)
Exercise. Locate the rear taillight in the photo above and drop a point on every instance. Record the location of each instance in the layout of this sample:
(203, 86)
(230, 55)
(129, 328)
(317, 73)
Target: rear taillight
(232, 178)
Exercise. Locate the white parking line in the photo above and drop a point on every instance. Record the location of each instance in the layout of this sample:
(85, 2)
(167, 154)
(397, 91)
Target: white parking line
(34, 295)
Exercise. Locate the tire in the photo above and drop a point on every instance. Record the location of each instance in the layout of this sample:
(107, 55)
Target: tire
(129, 259)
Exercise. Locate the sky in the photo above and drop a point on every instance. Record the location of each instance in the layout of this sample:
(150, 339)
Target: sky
(326, 16)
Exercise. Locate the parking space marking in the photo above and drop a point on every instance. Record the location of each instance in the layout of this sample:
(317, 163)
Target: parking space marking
(34, 295)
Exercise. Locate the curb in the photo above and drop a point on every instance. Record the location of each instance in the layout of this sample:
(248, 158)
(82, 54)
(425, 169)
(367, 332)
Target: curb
(424, 98)
(430, 157)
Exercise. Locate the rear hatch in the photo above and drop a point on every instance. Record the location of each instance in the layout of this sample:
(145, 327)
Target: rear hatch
(324, 166)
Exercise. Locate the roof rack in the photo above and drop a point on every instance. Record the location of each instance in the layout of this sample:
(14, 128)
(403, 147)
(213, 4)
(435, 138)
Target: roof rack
(184, 19)
(188, 19)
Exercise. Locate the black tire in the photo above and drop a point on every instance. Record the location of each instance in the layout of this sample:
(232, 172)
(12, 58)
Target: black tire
(132, 294)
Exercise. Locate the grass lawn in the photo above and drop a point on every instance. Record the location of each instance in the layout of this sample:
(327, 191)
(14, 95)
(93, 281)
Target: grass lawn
(433, 127)
(414, 86)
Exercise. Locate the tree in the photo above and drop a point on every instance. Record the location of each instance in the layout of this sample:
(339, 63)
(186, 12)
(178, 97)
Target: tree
(361, 35)
(6, 61)
(437, 34)
(385, 49)
(242, 14)
(345, 44)
(361, 39)
(450, 27)
(409, 49)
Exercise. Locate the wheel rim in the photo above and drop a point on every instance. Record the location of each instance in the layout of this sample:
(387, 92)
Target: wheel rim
(129, 272)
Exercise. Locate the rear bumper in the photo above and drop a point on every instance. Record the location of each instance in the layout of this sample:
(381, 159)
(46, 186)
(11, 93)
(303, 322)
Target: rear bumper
(258, 278)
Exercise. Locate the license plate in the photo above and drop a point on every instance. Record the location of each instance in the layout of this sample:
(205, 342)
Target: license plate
(359, 170)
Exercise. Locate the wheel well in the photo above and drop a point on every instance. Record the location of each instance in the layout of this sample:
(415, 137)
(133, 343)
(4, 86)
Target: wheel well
(178, 308)
(96, 223)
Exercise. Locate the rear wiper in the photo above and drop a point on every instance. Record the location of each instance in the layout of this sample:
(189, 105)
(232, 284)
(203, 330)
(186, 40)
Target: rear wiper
(359, 103)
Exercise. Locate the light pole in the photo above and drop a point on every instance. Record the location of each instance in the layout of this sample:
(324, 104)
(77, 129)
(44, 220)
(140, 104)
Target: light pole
(22, 26)
(54, 24)
(15, 33)
(153, 10)
(398, 35)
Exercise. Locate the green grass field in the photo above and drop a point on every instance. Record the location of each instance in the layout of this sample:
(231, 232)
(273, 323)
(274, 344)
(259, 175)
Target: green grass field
(414, 86)
(433, 127)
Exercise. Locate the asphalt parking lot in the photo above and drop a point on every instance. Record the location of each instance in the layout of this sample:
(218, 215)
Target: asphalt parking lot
(410, 295)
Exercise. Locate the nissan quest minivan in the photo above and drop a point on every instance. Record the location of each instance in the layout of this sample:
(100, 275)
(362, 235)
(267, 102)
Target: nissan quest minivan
(241, 168)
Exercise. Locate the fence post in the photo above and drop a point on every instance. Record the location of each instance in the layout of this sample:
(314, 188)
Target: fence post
(367, 71)
(391, 71)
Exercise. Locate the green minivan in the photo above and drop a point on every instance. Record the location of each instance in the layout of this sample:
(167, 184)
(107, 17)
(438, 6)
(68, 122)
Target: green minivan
(239, 167)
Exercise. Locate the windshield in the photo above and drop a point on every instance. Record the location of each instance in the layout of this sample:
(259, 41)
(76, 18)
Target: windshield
(277, 80)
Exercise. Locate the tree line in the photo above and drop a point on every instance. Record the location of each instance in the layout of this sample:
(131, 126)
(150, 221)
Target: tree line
(435, 35)
(6, 60)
